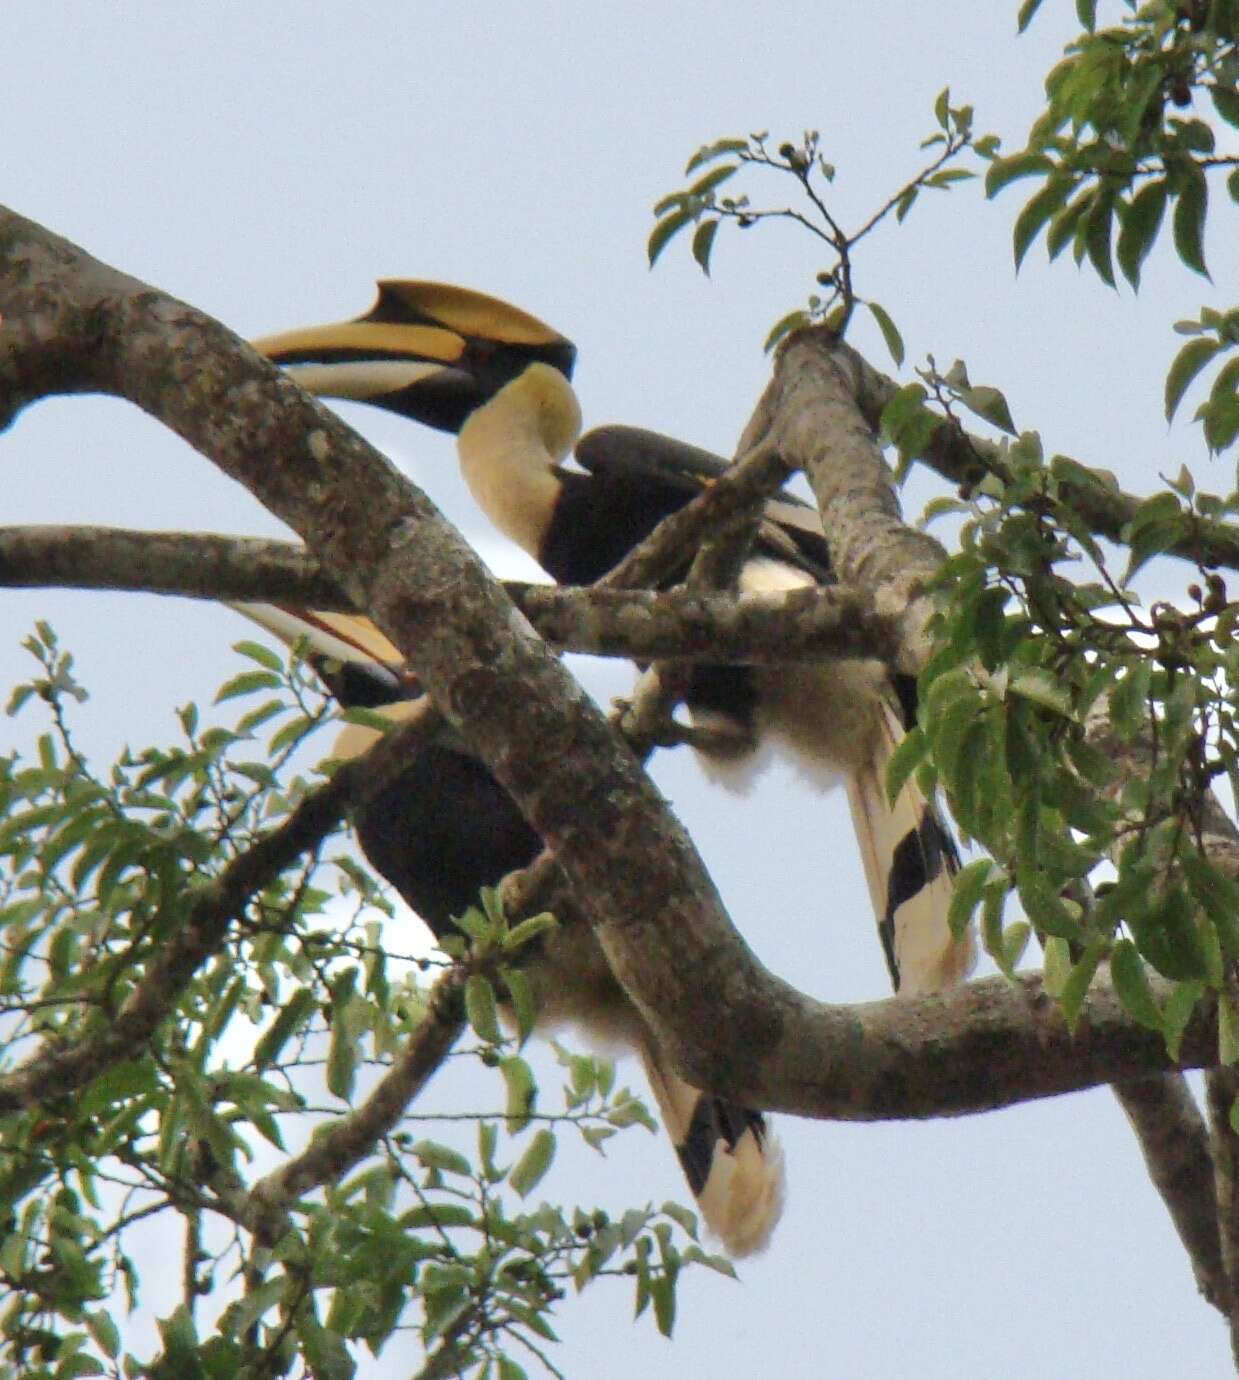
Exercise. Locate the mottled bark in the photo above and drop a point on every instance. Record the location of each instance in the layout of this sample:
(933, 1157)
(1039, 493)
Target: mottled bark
(73, 325)
(638, 625)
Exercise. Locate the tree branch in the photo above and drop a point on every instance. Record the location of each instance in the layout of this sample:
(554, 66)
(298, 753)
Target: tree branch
(755, 475)
(1222, 1088)
(638, 625)
(194, 565)
(809, 413)
(56, 1069)
(965, 458)
(333, 1152)
(1175, 1143)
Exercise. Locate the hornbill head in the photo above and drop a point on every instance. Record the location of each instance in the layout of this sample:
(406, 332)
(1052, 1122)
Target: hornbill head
(430, 351)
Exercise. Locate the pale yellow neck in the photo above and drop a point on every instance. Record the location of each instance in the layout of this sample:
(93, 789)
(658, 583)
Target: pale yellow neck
(509, 449)
(509, 473)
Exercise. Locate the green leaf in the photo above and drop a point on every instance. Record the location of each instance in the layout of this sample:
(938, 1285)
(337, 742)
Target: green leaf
(520, 935)
(434, 1155)
(342, 1051)
(488, 1142)
(890, 334)
(438, 1215)
(662, 1293)
(1042, 904)
(1140, 227)
(969, 887)
(1036, 213)
(685, 1219)
(292, 1016)
(703, 242)
(243, 1315)
(533, 1164)
(180, 1346)
(1014, 941)
(1190, 360)
(1180, 1007)
(784, 326)
(263, 655)
(247, 683)
(1079, 980)
(1056, 967)
(480, 1009)
(705, 185)
(105, 1333)
(1227, 1030)
(1065, 227)
(524, 1006)
(326, 1353)
(1027, 10)
(1129, 702)
(1189, 218)
(707, 153)
(665, 230)
(1003, 171)
(1086, 10)
(904, 761)
(1225, 102)
(1168, 936)
(521, 1092)
(1131, 983)
(942, 107)
(1217, 896)
(1042, 688)
(990, 404)
(1097, 233)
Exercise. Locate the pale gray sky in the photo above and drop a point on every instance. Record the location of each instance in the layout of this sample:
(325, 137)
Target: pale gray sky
(268, 162)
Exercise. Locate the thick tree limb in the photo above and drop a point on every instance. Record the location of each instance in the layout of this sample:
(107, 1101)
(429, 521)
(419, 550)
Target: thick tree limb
(195, 565)
(810, 415)
(1175, 1142)
(638, 625)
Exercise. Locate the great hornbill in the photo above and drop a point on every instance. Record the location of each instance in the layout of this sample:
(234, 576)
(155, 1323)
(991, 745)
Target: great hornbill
(464, 362)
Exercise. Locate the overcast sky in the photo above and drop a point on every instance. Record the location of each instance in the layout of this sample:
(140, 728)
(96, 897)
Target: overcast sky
(268, 162)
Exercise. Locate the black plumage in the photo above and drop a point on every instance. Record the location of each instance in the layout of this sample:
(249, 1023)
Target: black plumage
(443, 830)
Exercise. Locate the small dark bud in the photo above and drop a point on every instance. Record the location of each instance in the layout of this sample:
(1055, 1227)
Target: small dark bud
(787, 151)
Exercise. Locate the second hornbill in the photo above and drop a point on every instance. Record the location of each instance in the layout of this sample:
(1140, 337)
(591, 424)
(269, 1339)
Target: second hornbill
(467, 363)
(443, 830)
